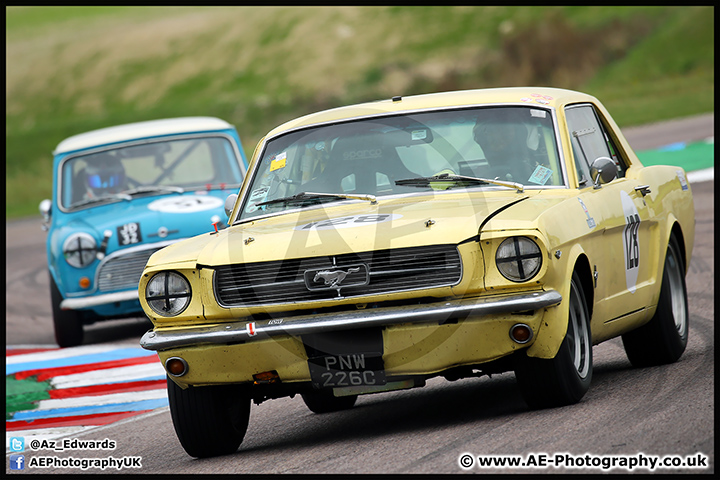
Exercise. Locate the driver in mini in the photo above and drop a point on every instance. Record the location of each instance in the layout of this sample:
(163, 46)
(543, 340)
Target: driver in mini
(104, 174)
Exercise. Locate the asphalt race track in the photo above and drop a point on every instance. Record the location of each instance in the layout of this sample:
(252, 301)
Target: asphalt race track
(629, 415)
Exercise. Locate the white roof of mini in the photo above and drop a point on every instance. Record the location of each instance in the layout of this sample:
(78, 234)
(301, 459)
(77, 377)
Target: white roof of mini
(132, 131)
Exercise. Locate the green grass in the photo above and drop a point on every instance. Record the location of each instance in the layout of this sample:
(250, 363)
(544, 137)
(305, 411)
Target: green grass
(23, 394)
(73, 69)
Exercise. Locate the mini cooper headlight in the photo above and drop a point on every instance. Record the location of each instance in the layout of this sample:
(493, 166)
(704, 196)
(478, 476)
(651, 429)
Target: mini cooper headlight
(79, 250)
(518, 259)
(168, 293)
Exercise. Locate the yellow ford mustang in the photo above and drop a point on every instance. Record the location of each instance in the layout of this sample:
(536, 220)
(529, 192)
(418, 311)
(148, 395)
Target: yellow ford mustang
(457, 234)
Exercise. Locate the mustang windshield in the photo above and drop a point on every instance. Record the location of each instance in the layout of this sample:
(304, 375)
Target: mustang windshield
(382, 156)
(161, 167)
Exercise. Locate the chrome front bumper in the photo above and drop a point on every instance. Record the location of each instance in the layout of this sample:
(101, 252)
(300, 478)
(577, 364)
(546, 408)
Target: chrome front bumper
(97, 300)
(243, 331)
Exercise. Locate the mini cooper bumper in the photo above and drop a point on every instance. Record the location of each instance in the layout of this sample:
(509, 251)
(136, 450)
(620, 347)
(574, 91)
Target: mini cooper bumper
(98, 300)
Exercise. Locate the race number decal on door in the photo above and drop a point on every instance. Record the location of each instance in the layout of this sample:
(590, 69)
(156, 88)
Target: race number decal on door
(631, 245)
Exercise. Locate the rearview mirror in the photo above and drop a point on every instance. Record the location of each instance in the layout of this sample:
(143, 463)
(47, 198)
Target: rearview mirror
(603, 170)
(45, 208)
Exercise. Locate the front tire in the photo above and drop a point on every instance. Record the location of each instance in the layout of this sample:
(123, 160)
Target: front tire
(209, 421)
(68, 324)
(325, 402)
(563, 380)
(663, 339)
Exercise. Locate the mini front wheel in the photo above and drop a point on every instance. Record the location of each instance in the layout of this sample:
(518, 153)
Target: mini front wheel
(68, 323)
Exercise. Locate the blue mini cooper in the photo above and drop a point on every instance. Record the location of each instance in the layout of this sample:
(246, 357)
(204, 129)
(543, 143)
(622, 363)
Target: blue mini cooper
(119, 195)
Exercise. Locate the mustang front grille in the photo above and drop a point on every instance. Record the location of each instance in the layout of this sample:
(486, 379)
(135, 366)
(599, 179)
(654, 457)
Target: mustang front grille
(347, 275)
(123, 270)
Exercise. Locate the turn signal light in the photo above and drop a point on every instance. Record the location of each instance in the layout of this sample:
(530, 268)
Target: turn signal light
(521, 333)
(266, 377)
(84, 282)
(176, 366)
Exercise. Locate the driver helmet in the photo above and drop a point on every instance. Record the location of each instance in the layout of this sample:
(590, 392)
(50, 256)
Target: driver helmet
(104, 174)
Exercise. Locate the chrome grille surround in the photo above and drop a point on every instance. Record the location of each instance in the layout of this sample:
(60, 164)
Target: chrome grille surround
(390, 271)
(123, 268)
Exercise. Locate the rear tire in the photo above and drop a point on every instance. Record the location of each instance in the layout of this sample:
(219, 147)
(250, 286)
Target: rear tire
(68, 323)
(209, 421)
(664, 338)
(565, 379)
(325, 402)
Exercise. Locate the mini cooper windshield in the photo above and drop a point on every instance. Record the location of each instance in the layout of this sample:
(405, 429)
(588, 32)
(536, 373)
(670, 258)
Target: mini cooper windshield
(150, 168)
(496, 147)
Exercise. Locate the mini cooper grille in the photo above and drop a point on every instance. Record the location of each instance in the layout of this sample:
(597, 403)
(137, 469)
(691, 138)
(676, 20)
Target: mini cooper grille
(123, 271)
(265, 283)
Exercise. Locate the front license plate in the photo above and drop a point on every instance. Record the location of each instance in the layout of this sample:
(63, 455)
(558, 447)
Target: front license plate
(347, 370)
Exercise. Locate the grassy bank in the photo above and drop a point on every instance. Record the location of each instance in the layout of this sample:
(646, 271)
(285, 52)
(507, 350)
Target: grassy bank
(72, 69)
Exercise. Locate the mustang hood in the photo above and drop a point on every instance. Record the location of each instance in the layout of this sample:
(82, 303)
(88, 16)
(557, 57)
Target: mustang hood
(336, 229)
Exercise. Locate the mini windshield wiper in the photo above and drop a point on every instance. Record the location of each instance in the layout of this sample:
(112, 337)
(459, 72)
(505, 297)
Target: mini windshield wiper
(445, 177)
(104, 198)
(153, 188)
(305, 196)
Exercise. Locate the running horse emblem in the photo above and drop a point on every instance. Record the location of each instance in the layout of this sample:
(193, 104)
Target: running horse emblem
(333, 278)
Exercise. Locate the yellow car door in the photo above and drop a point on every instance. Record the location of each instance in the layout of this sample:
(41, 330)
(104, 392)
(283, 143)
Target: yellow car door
(622, 261)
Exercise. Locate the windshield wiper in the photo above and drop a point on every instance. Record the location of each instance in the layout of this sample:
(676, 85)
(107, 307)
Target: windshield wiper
(305, 196)
(445, 177)
(104, 198)
(153, 188)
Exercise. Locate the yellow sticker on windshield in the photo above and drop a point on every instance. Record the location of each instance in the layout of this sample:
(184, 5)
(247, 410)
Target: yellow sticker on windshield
(278, 162)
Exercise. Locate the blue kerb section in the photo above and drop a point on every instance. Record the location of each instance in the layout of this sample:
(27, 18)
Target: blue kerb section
(673, 147)
(144, 379)
(30, 415)
(120, 354)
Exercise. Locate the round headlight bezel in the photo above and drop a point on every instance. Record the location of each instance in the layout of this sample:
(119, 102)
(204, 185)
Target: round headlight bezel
(79, 250)
(519, 259)
(168, 303)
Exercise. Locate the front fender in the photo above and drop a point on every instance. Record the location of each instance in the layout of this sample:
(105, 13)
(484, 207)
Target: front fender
(555, 321)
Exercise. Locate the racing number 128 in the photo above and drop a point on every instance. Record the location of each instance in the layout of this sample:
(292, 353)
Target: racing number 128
(345, 220)
(631, 241)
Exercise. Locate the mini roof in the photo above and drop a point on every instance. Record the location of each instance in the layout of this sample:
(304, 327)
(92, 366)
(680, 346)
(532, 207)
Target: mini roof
(132, 131)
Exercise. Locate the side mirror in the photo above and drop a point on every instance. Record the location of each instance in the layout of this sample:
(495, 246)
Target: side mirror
(45, 209)
(603, 170)
(230, 203)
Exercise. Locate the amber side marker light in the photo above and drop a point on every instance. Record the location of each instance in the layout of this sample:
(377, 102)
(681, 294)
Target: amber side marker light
(521, 333)
(176, 366)
(266, 377)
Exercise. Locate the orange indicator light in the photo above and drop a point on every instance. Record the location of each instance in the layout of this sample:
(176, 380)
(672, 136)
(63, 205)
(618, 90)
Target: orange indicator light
(176, 366)
(266, 377)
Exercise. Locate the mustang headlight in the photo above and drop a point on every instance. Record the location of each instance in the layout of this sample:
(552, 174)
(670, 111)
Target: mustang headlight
(518, 259)
(168, 293)
(80, 250)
